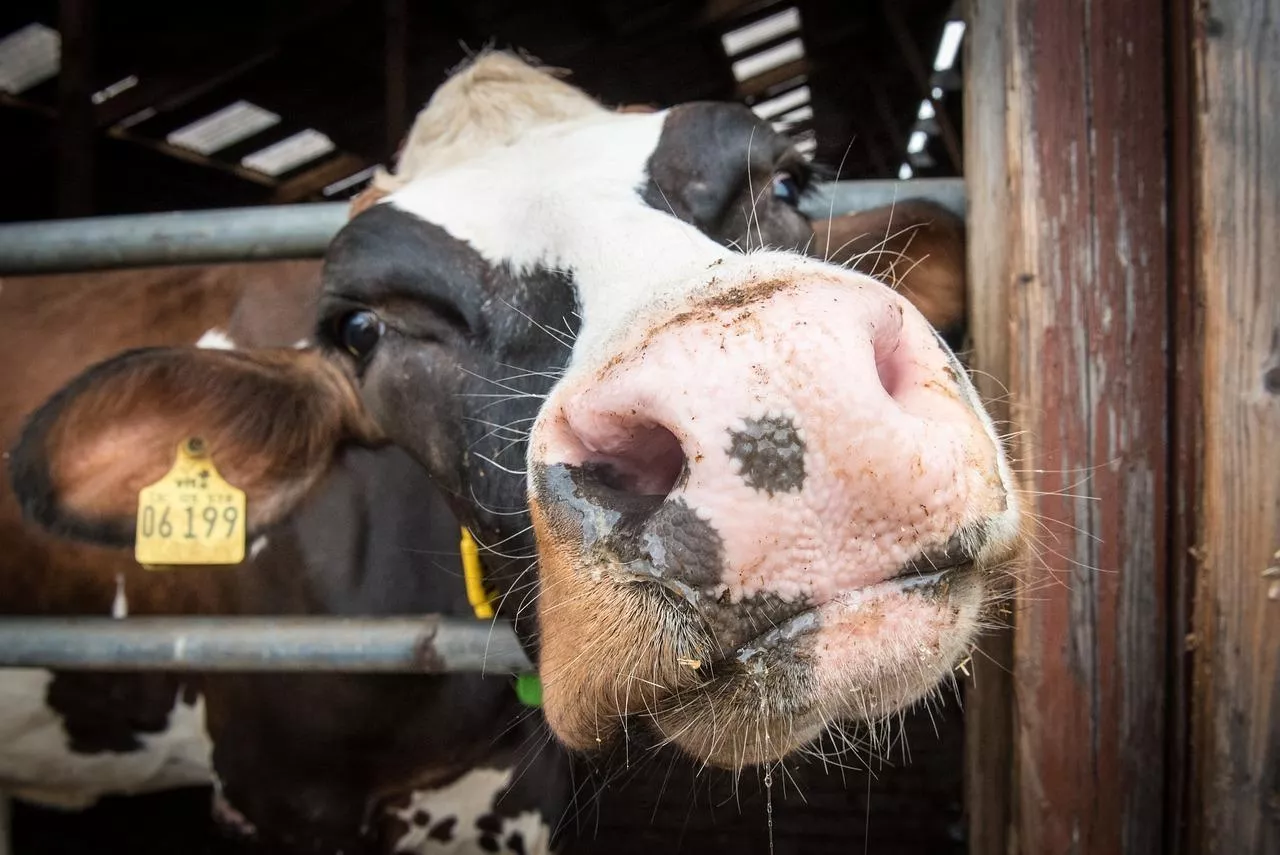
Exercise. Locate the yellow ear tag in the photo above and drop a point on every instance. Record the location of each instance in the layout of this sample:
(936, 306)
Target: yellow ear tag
(191, 515)
(473, 577)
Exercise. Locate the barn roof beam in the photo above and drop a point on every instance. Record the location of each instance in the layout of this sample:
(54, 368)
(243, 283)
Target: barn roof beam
(920, 71)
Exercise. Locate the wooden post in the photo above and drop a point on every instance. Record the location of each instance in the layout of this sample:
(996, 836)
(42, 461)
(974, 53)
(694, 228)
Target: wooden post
(75, 109)
(1235, 779)
(1084, 124)
(988, 699)
(1186, 435)
(396, 20)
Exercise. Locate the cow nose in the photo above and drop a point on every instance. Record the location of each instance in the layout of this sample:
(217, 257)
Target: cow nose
(709, 424)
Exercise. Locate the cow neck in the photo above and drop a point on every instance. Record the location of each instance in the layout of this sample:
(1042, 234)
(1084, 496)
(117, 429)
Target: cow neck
(528, 686)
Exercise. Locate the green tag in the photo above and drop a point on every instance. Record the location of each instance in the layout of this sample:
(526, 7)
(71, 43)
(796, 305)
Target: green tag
(529, 690)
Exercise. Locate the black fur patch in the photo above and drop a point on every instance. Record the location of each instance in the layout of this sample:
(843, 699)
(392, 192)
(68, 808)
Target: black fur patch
(734, 624)
(712, 168)
(110, 712)
(653, 536)
(443, 830)
(770, 452)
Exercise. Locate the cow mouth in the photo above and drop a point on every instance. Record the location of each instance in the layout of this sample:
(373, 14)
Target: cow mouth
(911, 580)
(773, 693)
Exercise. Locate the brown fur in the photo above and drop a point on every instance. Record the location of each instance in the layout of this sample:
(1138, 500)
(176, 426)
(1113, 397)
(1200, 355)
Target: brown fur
(364, 200)
(120, 431)
(60, 325)
(571, 618)
(917, 246)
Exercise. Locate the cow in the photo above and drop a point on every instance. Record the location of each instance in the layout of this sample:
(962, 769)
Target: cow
(761, 492)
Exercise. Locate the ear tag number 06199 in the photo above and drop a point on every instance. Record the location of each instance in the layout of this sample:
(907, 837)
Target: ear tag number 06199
(191, 515)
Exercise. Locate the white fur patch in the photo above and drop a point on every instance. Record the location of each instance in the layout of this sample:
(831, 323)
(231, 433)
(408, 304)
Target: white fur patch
(216, 339)
(255, 548)
(465, 801)
(38, 765)
(568, 198)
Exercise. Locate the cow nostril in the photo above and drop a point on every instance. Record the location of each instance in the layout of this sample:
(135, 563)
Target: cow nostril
(626, 461)
(643, 461)
(890, 355)
(889, 370)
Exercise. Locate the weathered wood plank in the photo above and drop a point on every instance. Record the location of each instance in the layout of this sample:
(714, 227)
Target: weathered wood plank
(1236, 797)
(1186, 427)
(989, 695)
(75, 109)
(1087, 164)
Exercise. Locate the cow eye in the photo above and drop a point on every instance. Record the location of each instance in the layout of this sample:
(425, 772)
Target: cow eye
(786, 188)
(359, 333)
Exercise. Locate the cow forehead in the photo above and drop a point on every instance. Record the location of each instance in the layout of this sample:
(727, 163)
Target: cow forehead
(569, 198)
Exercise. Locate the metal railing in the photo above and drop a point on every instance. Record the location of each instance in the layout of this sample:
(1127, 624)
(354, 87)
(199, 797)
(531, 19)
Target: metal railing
(429, 644)
(303, 231)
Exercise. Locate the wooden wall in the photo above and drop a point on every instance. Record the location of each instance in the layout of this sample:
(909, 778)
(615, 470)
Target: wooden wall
(1235, 183)
(1123, 163)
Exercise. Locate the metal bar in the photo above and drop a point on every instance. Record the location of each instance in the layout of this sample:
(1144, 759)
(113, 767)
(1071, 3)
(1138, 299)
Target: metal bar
(300, 231)
(184, 237)
(429, 644)
(843, 197)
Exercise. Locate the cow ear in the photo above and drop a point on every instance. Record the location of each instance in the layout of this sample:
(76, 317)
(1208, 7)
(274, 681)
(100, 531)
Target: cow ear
(271, 420)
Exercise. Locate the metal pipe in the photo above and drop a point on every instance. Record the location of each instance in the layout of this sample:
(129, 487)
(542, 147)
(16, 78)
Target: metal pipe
(845, 197)
(302, 231)
(180, 237)
(430, 644)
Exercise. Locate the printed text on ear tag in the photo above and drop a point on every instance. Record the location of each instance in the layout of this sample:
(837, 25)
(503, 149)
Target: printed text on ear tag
(191, 515)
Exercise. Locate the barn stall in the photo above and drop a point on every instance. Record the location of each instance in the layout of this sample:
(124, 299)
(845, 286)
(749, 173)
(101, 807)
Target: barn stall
(1115, 174)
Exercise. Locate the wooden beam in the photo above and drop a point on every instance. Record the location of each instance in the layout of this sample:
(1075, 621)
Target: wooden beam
(1235, 161)
(989, 696)
(920, 71)
(396, 14)
(891, 123)
(316, 179)
(161, 94)
(75, 109)
(883, 166)
(1088, 252)
(253, 176)
(763, 82)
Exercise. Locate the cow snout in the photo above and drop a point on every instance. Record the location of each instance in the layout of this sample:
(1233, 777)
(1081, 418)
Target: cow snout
(788, 481)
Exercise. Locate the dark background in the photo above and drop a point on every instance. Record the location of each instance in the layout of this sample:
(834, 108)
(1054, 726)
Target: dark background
(359, 71)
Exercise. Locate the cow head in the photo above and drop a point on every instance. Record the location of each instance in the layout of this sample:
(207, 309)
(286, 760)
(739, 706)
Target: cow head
(762, 492)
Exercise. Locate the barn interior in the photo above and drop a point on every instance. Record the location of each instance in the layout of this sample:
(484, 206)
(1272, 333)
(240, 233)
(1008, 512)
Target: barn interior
(102, 104)
(143, 106)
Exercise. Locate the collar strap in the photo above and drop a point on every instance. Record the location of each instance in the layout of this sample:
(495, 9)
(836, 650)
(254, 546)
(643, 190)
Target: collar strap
(528, 686)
